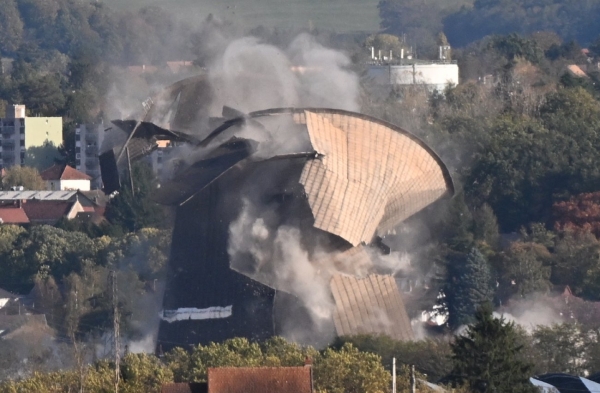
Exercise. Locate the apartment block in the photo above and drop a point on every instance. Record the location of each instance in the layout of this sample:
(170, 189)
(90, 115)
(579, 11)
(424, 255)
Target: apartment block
(20, 134)
(88, 141)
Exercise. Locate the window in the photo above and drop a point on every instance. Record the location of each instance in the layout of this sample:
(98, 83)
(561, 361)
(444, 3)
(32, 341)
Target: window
(77, 137)
(22, 157)
(22, 142)
(77, 163)
(77, 155)
(77, 149)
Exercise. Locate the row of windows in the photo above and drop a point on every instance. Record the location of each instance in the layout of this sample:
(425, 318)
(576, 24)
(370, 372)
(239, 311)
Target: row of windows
(10, 142)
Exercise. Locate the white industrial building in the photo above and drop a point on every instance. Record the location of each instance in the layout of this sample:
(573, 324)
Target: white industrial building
(435, 76)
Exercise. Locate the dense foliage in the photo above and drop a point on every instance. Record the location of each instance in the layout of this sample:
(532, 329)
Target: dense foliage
(487, 357)
(335, 370)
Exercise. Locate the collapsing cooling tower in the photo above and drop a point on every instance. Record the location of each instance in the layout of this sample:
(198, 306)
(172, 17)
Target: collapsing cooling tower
(333, 181)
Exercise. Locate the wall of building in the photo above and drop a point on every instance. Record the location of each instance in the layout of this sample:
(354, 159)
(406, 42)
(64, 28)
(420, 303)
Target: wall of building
(88, 141)
(38, 130)
(434, 76)
(67, 185)
(12, 135)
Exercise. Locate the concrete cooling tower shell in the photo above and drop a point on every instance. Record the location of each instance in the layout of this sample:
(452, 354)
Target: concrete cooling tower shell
(340, 179)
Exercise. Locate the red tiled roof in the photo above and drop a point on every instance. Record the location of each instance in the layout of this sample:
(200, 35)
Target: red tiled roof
(13, 215)
(46, 210)
(576, 70)
(260, 380)
(184, 388)
(63, 172)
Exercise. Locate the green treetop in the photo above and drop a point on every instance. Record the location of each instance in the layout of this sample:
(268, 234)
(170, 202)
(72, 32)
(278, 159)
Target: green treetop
(488, 357)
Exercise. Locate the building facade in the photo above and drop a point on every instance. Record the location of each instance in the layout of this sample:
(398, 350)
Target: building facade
(433, 75)
(19, 134)
(88, 141)
(65, 178)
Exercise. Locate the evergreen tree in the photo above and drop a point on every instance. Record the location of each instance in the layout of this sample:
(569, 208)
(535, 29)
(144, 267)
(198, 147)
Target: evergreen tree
(469, 285)
(488, 356)
(134, 209)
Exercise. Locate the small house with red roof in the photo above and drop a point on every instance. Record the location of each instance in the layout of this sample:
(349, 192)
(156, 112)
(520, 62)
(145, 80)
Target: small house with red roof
(61, 177)
(13, 214)
(46, 207)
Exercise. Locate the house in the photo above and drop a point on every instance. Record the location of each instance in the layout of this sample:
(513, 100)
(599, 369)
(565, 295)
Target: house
(100, 200)
(25, 139)
(6, 297)
(45, 207)
(13, 214)
(575, 70)
(250, 380)
(61, 177)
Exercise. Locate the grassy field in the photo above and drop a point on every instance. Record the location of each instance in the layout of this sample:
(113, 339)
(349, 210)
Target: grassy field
(339, 15)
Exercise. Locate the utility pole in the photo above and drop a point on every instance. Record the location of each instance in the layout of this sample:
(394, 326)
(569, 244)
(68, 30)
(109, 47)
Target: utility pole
(413, 382)
(394, 375)
(116, 349)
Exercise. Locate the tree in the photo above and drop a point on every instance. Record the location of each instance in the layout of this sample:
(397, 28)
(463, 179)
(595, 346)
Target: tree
(560, 348)
(42, 157)
(524, 269)
(579, 213)
(350, 371)
(430, 357)
(335, 370)
(576, 262)
(25, 176)
(488, 358)
(11, 26)
(133, 209)
(469, 285)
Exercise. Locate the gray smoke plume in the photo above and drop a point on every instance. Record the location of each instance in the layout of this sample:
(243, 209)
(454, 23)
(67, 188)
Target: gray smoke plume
(277, 258)
(252, 75)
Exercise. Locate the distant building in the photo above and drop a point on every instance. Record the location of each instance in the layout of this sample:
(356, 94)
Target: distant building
(435, 76)
(19, 133)
(13, 214)
(65, 178)
(88, 141)
(6, 297)
(575, 70)
(45, 207)
(398, 71)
